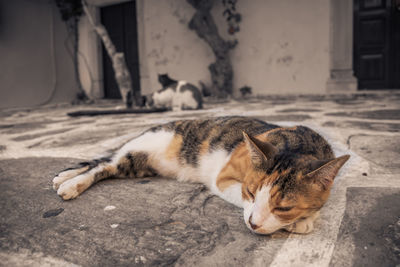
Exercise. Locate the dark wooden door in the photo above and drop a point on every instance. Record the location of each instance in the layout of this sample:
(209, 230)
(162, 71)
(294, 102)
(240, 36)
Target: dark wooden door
(120, 22)
(377, 44)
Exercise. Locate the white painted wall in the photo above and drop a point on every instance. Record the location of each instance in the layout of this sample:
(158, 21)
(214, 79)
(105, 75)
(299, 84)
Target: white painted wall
(283, 46)
(90, 56)
(168, 46)
(35, 66)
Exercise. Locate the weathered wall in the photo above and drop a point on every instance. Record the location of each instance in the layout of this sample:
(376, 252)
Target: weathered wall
(35, 65)
(168, 46)
(90, 56)
(283, 47)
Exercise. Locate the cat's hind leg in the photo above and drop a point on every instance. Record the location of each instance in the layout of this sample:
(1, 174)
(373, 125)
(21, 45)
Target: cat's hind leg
(129, 165)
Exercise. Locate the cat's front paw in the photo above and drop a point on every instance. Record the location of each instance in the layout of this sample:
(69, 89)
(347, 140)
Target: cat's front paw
(59, 179)
(301, 227)
(72, 188)
(66, 175)
(68, 190)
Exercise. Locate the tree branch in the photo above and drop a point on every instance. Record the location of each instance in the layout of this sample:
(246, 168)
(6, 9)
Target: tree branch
(204, 25)
(121, 72)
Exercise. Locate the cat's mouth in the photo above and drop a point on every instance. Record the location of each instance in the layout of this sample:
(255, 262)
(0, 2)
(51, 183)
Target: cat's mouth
(266, 227)
(253, 226)
(263, 231)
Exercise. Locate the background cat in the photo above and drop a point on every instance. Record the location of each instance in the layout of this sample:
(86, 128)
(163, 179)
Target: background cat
(175, 95)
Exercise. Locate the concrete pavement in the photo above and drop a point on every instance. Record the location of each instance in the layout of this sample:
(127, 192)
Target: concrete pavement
(162, 222)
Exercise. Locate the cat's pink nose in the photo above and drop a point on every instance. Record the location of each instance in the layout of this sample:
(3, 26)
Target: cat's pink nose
(253, 226)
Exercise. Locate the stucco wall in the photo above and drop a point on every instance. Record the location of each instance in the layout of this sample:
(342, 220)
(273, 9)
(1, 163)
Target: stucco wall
(167, 45)
(90, 56)
(35, 66)
(283, 46)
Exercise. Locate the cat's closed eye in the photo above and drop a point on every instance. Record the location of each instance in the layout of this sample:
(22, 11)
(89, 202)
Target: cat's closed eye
(250, 193)
(283, 209)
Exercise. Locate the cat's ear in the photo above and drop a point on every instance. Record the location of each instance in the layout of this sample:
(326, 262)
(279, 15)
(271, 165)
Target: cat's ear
(262, 153)
(325, 174)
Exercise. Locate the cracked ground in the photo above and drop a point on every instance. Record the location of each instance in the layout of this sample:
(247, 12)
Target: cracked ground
(158, 221)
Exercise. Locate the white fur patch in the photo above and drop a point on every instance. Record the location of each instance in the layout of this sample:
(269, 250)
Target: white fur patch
(232, 194)
(176, 99)
(183, 99)
(66, 175)
(187, 100)
(69, 188)
(163, 98)
(207, 171)
(260, 213)
(179, 86)
(154, 143)
(211, 165)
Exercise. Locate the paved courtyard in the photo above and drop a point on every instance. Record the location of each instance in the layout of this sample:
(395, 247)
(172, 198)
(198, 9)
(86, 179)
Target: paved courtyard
(161, 222)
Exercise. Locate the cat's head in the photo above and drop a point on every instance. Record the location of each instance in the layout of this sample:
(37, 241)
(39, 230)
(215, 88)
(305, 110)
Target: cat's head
(165, 80)
(282, 189)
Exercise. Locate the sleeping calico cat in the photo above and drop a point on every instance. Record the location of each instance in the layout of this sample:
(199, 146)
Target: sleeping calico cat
(175, 95)
(281, 177)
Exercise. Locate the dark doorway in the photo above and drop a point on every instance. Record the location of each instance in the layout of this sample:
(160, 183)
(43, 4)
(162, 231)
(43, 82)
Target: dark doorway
(120, 22)
(377, 44)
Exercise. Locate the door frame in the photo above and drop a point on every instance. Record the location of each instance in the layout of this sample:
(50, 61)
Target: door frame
(121, 23)
(341, 73)
(389, 51)
(90, 48)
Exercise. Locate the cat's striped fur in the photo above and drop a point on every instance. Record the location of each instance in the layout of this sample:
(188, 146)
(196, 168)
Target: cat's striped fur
(281, 177)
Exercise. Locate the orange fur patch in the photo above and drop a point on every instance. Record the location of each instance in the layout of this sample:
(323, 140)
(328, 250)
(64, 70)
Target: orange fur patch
(236, 168)
(106, 172)
(240, 169)
(174, 147)
(81, 170)
(204, 147)
(82, 187)
(225, 182)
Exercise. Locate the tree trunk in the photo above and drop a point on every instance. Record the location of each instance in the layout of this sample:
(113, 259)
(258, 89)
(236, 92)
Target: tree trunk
(122, 75)
(221, 70)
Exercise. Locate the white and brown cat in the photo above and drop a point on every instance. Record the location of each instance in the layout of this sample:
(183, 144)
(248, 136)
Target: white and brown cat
(281, 177)
(175, 95)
